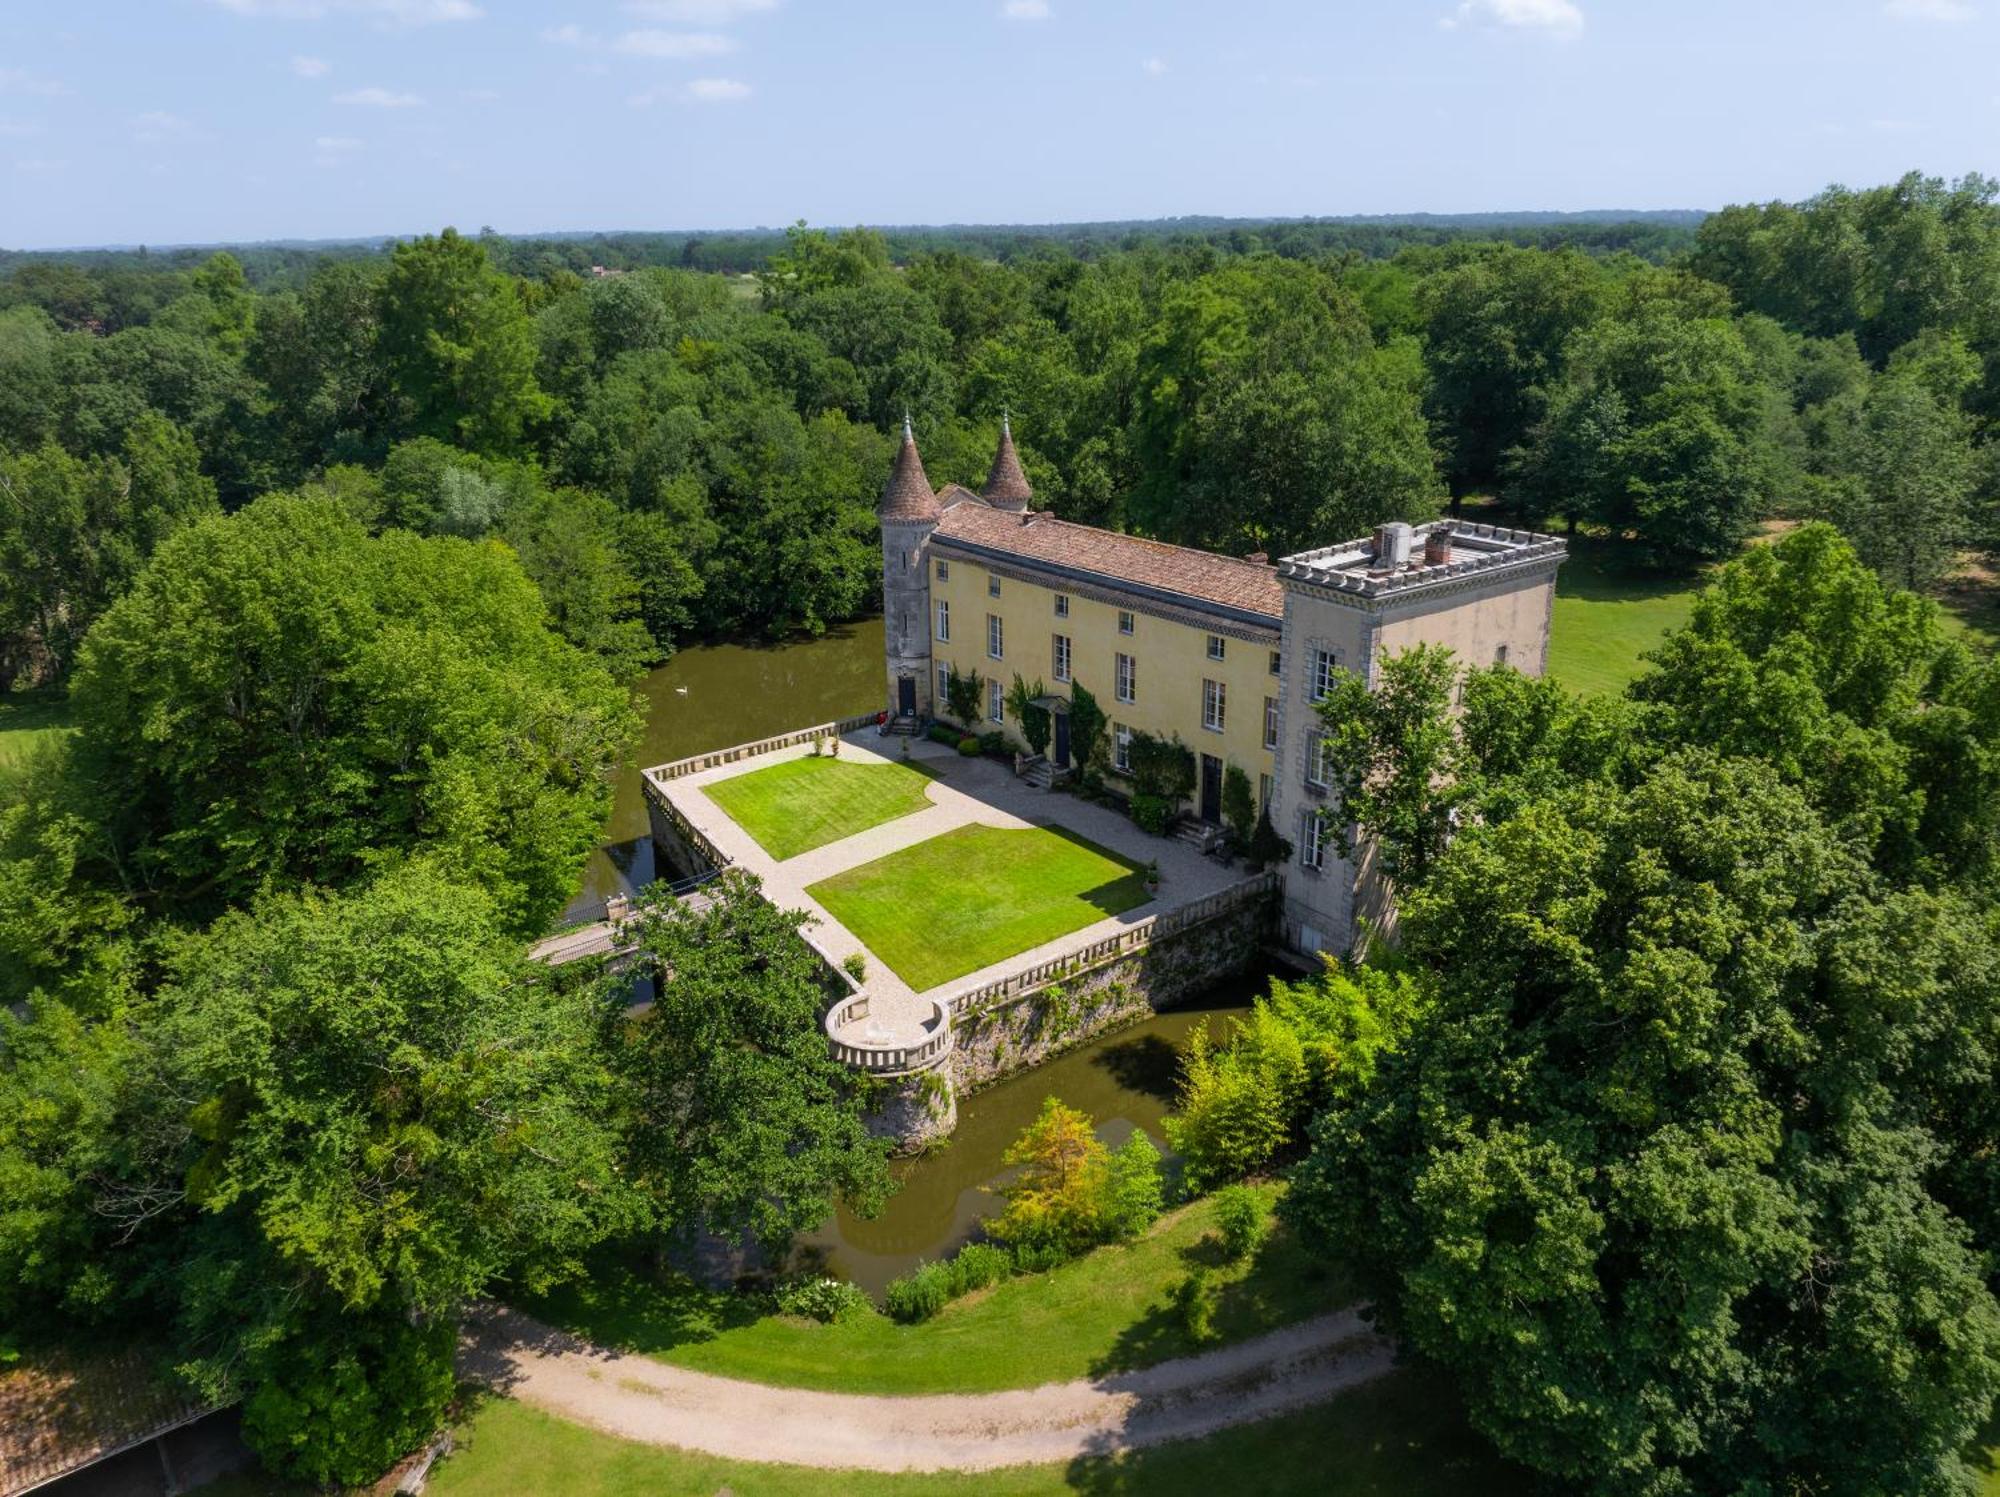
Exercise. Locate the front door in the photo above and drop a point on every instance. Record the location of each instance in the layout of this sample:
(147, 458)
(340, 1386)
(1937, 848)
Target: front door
(1061, 759)
(906, 695)
(1211, 788)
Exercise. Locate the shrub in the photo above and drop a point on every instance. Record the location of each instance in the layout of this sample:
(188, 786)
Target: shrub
(978, 1265)
(1058, 1197)
(968, 745)
(855, 965)
(1194, 1298)
(1133, 1190)
(1152, 813)
(819, 1298)
(1241, 1219)
(994, 742)
(919, 1294)
(1039, 1257)
(1239, 805)
(1267, 848)
(943, 733)
(1162, 767)
(963, 694)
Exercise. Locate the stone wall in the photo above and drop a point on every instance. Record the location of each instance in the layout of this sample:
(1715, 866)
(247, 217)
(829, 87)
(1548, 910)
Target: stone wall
(1025, 1029)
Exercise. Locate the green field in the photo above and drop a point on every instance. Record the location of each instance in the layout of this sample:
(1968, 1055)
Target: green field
(978, 894)
(801, 804)
(1105, 1312)
(1606, 616)
(28, 720)
(1401, 1437)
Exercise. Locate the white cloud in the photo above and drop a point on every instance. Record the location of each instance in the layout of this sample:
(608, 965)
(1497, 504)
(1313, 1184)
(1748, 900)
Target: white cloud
(479, 95)
(388, 12)
(156, 127)
(378, 98)
(335, 150)
(1559, 17)
(1154, 67)
(674, 44)
(21, 81)
(1025, 10)
(1931, 10)
(311, 67)
(572, 36)
(39, 164)
(698, 91)
(699, 12)
(18, 129)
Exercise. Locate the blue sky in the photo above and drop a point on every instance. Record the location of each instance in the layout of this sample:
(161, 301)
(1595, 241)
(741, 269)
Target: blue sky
(165, 121)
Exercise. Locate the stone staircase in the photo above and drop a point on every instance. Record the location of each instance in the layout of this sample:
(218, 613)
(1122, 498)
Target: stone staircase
(1199, 835)
(1043, 775)
(903, 726)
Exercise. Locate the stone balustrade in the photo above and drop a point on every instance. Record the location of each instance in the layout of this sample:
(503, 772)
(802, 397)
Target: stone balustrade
(695, 764)
(890, 1057)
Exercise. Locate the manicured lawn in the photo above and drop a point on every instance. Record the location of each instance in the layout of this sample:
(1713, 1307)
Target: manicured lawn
(1607, 616)
(1403, 1436)
(978, 894)
(1105, 1312)
(801, 804)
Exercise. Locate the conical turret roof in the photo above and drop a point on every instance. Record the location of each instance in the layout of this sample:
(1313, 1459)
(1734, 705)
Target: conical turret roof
(1006, 485)
(908, 494)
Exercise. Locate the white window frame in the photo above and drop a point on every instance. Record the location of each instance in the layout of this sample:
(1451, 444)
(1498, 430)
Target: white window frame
(1125, 679)
(1059, 655)
(1325, 666)
(1125, 621)
(992, 584)
(1062, 605)
(943, 686)
(996, 638)
(996, 703)
(1214, 705)
(944, 571)
(1312, 840)
(1264, 788)
(1121, 748)
(1316, 760)
(1217, 647)
(1271, 723)
(944, 621)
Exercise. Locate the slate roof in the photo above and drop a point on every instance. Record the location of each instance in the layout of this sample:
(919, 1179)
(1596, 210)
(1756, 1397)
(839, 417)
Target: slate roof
(1006, 485)
(1245, 587)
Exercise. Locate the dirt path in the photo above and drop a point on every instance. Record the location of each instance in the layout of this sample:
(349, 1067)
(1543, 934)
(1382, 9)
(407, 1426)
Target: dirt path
(640, 1399)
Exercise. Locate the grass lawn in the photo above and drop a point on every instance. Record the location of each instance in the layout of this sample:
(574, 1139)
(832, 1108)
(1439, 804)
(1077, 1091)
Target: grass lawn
(1107, 1311)
(801, 804)
(978, 894)
(1403, 1436)
(1607, 616)
(28, 720)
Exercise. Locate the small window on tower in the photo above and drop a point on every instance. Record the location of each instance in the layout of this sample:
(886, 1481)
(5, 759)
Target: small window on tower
(944, 571)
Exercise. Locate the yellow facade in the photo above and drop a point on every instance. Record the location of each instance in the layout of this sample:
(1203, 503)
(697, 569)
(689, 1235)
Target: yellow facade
(1174, 673)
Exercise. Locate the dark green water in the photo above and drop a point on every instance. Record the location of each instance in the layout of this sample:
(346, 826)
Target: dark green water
(712, 696)
(717, 695)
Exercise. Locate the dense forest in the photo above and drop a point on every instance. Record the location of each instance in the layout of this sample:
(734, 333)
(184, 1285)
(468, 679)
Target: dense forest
(340, 567)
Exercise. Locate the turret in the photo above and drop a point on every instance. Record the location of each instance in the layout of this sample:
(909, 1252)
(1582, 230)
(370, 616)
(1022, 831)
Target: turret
(908, 514)
(1006, 485)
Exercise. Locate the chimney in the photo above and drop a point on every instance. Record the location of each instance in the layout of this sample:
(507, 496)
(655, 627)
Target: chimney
(1262, 558)
(1392, 546)
(1437, 545)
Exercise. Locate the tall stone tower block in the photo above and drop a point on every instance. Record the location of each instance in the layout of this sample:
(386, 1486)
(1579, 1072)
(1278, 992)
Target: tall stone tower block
(908, 514)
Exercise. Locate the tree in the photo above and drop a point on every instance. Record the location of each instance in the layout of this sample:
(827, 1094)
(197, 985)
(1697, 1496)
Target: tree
(1657, 1173)
(1056, 1200)
(282, 699)
(963, 691)
(1391, 760)
(1239, 804)
(569, 542)
(1908, 469)
(739, 1120)
(458, 345)
(1086, 730)
(1034, 721)
(368, 1113)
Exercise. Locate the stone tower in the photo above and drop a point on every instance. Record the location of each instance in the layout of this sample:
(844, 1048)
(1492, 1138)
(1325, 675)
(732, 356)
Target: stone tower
(1006, 485)
(908, 514)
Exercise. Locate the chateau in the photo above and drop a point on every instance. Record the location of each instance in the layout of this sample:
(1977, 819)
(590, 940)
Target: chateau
(1229, 654)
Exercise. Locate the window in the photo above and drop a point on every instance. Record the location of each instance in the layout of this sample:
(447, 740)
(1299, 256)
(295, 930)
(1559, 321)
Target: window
(1127, 679)
(1062, 605)
(1270, 722)
(993, 639)
(1216, 646)
(1061, 653)
(944, 686)
(996, 702)
(992, 586)
(944, 571)
(1325, 664)
(1500, 655)
(1312, 840)
(1124, 622)
(1211, 706)
(1277, 663)
(1316, 760)
(1263, 794)
(1121, 748)
(944, 621)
